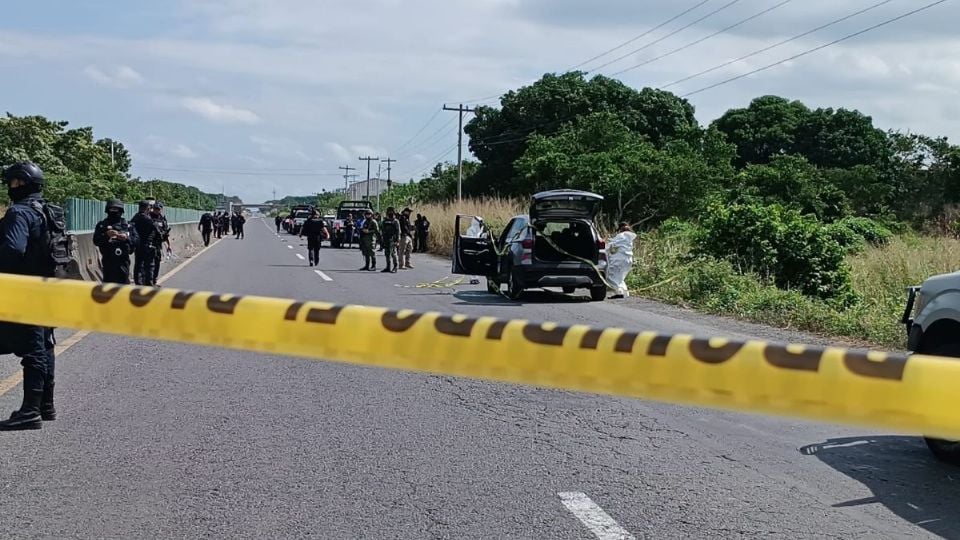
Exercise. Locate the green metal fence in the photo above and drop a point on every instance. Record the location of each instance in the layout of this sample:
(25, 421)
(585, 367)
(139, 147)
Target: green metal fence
(84, 214)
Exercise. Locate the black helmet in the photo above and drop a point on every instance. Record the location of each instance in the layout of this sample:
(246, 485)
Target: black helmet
(158, 205)
(145, 204)
(27, 171)
(114, 203)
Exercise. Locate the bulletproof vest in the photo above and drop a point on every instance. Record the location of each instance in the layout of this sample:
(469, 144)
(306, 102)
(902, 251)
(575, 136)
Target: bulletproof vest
(390, 227)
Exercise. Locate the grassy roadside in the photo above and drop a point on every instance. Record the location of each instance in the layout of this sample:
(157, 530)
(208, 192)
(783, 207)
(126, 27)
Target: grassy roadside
(664, 271)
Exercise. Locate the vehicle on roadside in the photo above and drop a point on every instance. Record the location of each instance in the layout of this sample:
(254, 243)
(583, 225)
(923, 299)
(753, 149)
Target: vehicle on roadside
(932, 320)
(556, 244)
(298, 214)
(345, 209)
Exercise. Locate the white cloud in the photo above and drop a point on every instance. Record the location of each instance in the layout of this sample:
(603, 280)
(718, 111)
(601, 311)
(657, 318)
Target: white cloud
(218, 112)
(118, 77)
(339, 151)
(183, 151)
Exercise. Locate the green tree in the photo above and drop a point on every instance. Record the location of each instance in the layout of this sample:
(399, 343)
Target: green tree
(765, 129)
(793, 182)
(499, 137)
(640, 182)
(120, 155)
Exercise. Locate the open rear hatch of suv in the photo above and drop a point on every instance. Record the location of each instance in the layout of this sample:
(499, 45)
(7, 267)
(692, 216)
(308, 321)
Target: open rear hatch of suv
(565, 204)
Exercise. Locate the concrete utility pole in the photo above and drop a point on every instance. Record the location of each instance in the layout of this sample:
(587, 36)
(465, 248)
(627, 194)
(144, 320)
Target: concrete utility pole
(461, 109)
(368, 159)
(346, 176)
(388, 161)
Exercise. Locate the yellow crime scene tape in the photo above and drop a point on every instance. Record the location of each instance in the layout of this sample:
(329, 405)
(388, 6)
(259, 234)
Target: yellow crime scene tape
(913, 394)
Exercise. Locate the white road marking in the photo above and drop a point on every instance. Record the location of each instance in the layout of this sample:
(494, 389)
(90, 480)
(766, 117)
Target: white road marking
(299, 256)
(599, 522)
(290, 247)
(323, 276)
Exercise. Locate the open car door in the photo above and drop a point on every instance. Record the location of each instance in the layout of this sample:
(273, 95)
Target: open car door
(473, 250)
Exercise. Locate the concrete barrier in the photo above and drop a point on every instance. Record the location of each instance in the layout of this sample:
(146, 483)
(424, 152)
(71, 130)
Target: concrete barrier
(186, 241)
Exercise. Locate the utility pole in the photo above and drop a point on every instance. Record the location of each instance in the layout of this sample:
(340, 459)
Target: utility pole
(274, 194)
(388, 161)
(368, 159)
(349, 192)
(346, 177)
(461, 109)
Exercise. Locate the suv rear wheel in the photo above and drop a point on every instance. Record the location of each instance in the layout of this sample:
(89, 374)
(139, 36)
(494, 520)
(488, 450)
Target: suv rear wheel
(944, 450)
(514, 285)
(493, 286)
(598, 294)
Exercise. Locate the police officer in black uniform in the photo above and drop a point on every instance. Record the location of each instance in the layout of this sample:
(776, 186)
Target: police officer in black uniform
(24, 250)
(206, 227)
(162, 238)
(117, 240)
(147, 233)
(315, 229)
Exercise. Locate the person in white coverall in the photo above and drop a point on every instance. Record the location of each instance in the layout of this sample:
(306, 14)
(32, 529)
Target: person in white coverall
(620, 259)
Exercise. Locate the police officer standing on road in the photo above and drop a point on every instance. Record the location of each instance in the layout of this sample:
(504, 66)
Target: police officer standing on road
(116, 240)
(349, 225)
(206, 227)
(423, 232)
(163, 238)
(238, 223)
(390, 234)
(147, 233)
(278, 221)
(24, 250)
(369, 232)
(315, 229)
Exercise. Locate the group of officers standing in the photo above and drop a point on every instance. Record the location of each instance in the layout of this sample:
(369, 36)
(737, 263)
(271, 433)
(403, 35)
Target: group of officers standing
(219, 224)
(144, 236)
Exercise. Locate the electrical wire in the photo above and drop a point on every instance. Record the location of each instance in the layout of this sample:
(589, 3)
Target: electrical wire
(641, 36)
(415, 135)
(248, 172)
(705, 38)
(775, 45)
(671, 34)
(815, 49)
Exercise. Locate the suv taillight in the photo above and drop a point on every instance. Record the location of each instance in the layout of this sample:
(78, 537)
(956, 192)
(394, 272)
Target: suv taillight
(527, 244)
(602, 251)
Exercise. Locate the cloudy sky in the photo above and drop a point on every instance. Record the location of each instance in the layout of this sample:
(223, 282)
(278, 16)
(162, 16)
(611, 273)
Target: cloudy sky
(252, 96)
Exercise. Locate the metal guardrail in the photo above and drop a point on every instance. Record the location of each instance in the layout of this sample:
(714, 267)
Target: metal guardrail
(84, 214)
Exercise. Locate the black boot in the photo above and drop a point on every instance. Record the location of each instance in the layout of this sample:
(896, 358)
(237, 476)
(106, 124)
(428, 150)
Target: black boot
(28, 417)
(47, 410)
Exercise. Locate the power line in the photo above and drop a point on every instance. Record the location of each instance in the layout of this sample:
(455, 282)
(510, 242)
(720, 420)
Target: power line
(671, 34)
(618, 47)
(461, 110)
(701, 40)
(435, 137)
(270, 172)
(419, 131)
(775, 45)
(433, 161)
(815, 49)
(641, 36)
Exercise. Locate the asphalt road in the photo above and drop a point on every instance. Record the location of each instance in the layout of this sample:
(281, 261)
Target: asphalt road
(168, 440)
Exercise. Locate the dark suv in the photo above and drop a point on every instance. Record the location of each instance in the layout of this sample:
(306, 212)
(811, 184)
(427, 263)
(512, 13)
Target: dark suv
(555, 245)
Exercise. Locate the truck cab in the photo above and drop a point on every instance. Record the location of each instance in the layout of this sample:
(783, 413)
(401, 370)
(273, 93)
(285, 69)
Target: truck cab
(299, 214)
(932, 321)
(344, 210)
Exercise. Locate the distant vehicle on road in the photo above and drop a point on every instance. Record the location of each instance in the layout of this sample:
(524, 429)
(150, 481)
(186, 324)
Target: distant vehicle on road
(344, 209)
(556, 244)
(298, 214)
(932, 319)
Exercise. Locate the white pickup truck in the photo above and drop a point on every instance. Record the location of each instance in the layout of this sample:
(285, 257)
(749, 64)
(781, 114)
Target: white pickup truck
(932, 318)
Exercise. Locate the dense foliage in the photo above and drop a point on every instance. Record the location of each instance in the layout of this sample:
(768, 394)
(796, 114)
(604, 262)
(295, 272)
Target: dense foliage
(775, 189)
(78, 165)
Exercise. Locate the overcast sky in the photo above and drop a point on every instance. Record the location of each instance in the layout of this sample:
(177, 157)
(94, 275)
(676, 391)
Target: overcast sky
(286, 91)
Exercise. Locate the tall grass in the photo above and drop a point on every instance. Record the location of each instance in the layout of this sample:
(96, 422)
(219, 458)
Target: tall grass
(495, 212)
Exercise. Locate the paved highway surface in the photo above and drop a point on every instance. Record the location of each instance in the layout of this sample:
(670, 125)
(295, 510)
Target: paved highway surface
(169, 440)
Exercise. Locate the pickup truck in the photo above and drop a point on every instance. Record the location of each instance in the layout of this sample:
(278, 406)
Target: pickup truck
(298, 214)
(344, 210)
(932, 320)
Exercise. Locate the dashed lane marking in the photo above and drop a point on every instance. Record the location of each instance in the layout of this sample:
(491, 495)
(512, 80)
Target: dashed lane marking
(323, 276)
(299, 256)
(590, 514)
